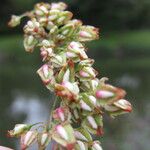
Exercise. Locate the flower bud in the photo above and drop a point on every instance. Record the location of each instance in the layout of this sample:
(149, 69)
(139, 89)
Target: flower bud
(41, 9)
(46, 53)
(87, 73)
(64, 135)
(67, 90)
(28, 139)
(76, 51)
(62, 132)
(96, 145)
(19, 130)
(47, 76)
(61, 114)
(60, 6)
(94, 124)
(75, 22)
(90, 85)
(64, 16)
(88, 33)
(14, 21)
(59, 60)
(103, 94)
(33, 27)
(124, 105)
(88, 102)
(44, 139)
(82, 134)
(53, 15)
(30, 43)
(81, 145)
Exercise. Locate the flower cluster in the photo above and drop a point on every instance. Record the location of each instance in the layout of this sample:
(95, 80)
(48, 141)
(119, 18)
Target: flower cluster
(68, 72)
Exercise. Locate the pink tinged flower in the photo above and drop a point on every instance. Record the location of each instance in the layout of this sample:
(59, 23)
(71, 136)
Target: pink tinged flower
(59, 6)
(92, 122)
(81, 145)
(85, 34)
(96, 146)
(62, 132)
(71, 55)
(84, 106)
(104, 94)
(45, 69)
(80, 136)
(84, 74)
(124, 104)
(28, 139)
(60, 113)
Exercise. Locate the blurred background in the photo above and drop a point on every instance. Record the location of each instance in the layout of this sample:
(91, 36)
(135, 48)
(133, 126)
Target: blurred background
(122, 53)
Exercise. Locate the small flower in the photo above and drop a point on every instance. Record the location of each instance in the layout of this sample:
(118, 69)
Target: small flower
(96, 145)
(64, 135)
(119, 107)
(15, 20)
(44, 139)
(58, 60)
(94, 124)
(86, 74)
(47, 75)
(19, 130)
(41, 9)
(67, 90)
(88, 102)
(76, 51)
(64, 17)
(82, 134)
(103, 94)
(34, 28)
(28, 139)
(61, 114)
(60, 6)
(90, 85)
(30, 43)
(124, 105)
(81, 145)
(88, 33)
(61, 131)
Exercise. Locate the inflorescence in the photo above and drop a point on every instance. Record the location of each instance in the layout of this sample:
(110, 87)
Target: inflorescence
(68, 73)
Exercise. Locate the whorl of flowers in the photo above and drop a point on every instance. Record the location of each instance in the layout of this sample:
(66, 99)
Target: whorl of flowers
(67, 72)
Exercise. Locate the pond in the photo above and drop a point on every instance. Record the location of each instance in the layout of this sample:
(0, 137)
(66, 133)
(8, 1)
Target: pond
(24, 99)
